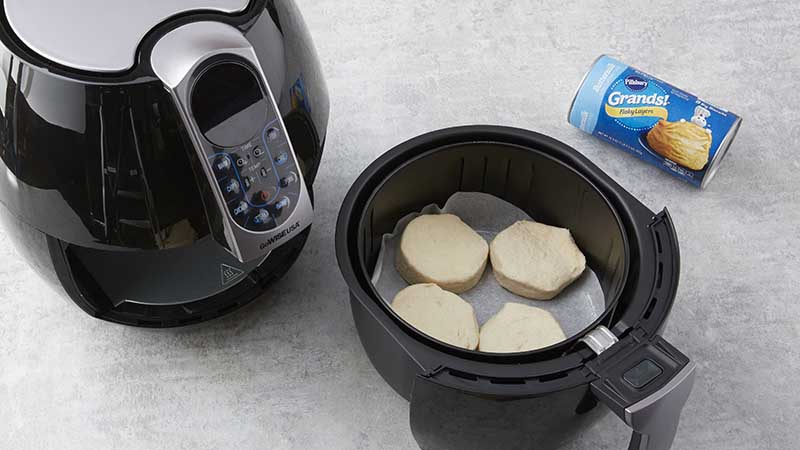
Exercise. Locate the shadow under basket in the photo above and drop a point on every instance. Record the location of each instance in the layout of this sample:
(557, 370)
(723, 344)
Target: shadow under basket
(541, 399)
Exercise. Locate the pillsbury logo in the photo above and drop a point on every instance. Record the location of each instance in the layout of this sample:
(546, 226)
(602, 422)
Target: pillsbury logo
(635, 83)
(636, 103)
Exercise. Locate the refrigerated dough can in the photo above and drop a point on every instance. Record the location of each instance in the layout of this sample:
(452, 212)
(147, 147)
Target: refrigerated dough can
(654, 120)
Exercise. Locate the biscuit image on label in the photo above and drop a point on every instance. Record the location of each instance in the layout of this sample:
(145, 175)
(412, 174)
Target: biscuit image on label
(686, 143)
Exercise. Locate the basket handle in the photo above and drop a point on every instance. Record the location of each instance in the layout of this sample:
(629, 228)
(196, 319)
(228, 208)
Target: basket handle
(646, 383)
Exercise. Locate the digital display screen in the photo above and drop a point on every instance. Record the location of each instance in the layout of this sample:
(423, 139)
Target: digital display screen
(228, 104)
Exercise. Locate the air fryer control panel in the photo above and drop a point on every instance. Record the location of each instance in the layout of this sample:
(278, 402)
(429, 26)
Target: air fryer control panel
(246, 147)
(259, 179)
(231, 113)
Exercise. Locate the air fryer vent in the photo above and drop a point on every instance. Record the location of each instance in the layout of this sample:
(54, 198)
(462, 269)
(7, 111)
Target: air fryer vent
(507, 381)
(666, 268)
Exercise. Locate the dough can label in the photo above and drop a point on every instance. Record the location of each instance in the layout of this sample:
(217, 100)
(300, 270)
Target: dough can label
(661, 124)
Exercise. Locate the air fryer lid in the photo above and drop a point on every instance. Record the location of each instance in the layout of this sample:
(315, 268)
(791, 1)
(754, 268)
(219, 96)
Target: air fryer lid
(98, 35)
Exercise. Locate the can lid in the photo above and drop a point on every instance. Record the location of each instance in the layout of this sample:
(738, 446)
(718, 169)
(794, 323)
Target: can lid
(721, 152)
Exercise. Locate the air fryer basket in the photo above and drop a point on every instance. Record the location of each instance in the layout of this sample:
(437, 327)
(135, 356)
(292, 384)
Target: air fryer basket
(545, 188)
(467, 399)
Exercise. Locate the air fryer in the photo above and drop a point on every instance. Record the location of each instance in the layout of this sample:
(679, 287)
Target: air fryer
(462, 399)
(159, 159)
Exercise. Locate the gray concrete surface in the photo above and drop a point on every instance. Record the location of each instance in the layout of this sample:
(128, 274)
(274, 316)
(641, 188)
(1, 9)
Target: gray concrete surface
(289, 372)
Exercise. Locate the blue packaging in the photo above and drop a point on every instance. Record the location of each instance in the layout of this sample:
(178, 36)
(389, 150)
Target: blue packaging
(661, 124)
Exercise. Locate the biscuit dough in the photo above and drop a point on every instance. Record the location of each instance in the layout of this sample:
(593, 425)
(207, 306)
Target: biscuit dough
(520, 328)
(535, 260)
(686, 143)
(441, 249)
(439, 314)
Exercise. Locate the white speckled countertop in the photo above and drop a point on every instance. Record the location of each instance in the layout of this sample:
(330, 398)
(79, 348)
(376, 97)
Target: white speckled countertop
(289, 372)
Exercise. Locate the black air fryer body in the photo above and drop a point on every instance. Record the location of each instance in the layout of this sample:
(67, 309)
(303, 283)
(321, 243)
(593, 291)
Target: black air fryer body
(537, 400)
(157, 197)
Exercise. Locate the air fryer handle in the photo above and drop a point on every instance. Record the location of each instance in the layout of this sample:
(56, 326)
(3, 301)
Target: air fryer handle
(646, 383)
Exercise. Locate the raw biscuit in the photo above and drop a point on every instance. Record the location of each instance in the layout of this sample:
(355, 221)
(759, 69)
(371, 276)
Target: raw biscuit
(439, 314)
(535, 260)
(520, 328)
(441, 249)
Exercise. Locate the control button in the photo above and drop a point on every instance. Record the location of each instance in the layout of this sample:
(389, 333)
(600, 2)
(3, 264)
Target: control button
(642, 374)
(248, 182)
(282, 204)
(288, 179)
(232, 187)
(242, 208)
(263, 196)
(258, 152)
(241, 162)
(223, 164)
(273, 134)
(265, 172)
(282, 158)
(261, 217)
